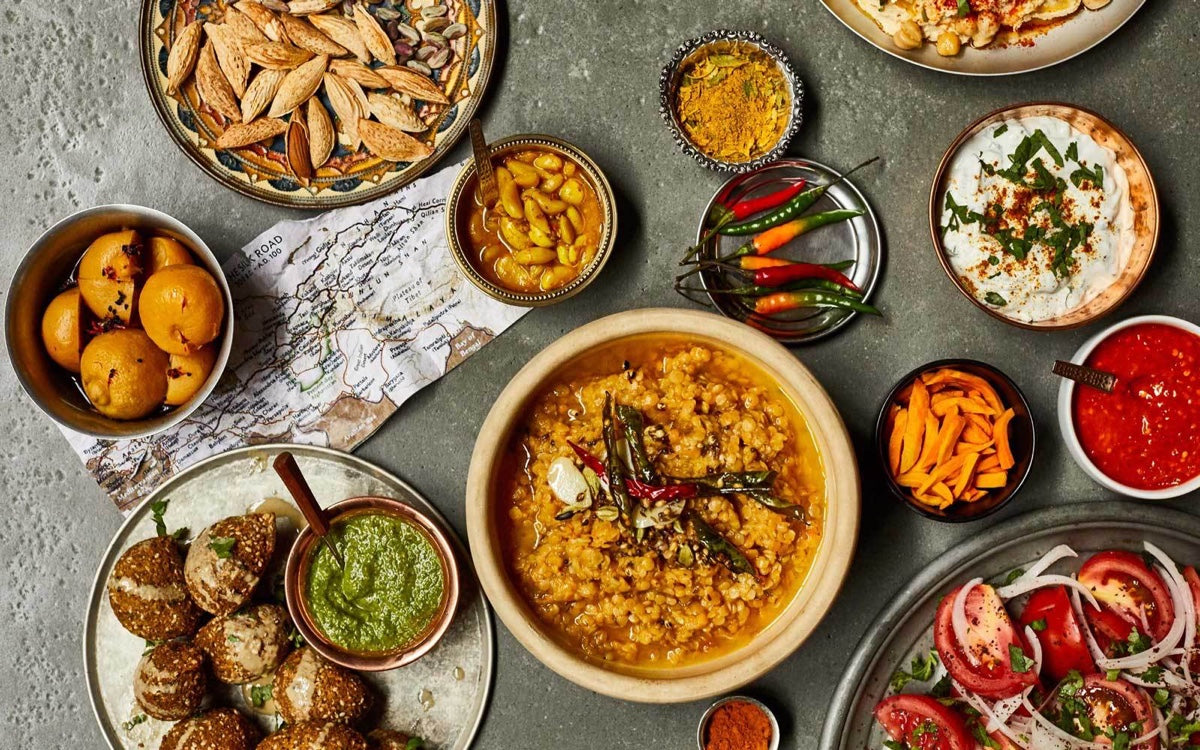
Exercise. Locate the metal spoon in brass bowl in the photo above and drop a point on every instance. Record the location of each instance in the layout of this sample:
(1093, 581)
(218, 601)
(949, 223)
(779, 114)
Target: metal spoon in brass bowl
(1091, 377)
(289, 471)
(489, 191)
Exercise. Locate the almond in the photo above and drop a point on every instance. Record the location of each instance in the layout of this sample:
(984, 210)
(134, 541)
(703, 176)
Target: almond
(374, 36)
(239, 135)
(304, 35)
(389, 143)
(409, 81)
(298, 86)
(241, 26)
(260, 92)
(308, 7)
(356, 71)
(321, 135)
(230, 56)
(182, 58)
(213, 87)
(343, 32)
(391, 111)
(349, 104)
(296, 146)
(266, 21)
(277, 55)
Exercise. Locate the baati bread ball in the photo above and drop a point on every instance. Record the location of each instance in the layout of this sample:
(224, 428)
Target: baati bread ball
(215, 729)
(148, 594)
(182, 308)
(188, 373)
(388, 739)
(315, 735)
(247, 644)
(171, 680)
(124, 374)
(62, 329)
(164, 251)
(309, 688)
(226, 561)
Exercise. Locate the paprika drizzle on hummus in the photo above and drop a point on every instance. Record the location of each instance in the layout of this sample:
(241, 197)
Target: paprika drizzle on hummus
(1146, 433)
(390, 590)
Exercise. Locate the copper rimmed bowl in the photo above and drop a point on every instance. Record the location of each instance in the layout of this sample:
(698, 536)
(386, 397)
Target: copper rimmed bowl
(296, 574)
(1143, 198)
(462, 193)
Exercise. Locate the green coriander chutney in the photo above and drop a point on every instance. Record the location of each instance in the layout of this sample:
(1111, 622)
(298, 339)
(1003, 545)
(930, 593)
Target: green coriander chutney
(390, 590)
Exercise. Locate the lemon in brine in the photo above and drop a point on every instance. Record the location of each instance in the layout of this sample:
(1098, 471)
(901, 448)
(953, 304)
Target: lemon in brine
(181, 308)
(124, 374)
(62, 330)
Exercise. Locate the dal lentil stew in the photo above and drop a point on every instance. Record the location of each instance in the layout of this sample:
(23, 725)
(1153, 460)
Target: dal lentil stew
(710, 531)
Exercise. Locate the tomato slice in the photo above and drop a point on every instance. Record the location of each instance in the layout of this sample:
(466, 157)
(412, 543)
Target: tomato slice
(920, 722)
(1193, 581)
(1116, 706)
(1127, 588)
(984, 664)
(1063, 647)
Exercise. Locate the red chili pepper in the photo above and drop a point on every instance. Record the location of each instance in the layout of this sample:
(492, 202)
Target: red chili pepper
(781, 275)
(722, 215)
(784, 301)
(638, 488)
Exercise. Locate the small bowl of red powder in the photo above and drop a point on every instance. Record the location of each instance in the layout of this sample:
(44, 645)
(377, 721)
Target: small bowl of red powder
(1143, 439)
(738, 723)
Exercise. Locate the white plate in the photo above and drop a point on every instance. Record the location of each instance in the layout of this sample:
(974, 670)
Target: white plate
(1074, 36)
(440, 697)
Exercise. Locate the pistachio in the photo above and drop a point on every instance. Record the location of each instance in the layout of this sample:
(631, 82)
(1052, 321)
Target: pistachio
(408, 32)
(419, 66)
(434, 38)
(439, 58)
(455, 30)
(435, 24)
(434, 11)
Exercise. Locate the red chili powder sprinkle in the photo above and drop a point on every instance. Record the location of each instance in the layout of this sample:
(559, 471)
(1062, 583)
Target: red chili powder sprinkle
(738, 725)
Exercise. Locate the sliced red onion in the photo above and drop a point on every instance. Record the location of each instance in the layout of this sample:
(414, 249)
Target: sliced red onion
(958, 616)
(1024, 586)
(993, 721)
(1058, 553)
(1035, 646)
(1189, 603)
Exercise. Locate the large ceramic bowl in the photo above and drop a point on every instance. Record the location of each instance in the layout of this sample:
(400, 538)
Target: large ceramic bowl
(795, 622)
(1143, 198)
(40, 276)
(1066, 418)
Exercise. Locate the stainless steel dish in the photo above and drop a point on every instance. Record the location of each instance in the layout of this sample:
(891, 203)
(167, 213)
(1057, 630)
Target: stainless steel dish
(774, 744)
(905, 626)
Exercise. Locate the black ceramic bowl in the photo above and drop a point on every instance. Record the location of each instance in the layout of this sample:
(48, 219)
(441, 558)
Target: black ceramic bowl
(1022, 439)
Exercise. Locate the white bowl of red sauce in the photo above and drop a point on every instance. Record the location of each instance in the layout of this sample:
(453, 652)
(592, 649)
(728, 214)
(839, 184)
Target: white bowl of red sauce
(1143, 439)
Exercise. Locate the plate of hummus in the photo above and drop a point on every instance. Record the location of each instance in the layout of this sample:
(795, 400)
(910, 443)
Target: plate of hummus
(984, 37)
(1045, 215)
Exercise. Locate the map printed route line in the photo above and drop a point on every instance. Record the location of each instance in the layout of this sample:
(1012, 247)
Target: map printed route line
(339, 319)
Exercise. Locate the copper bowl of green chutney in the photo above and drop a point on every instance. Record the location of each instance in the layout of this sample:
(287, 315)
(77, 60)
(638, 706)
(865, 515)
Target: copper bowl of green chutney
(396, 596)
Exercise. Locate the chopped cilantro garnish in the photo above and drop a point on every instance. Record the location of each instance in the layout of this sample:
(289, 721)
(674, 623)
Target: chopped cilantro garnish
(922, 669)
(139, 719)
(1038, 625)
(1073, 152)
(994, 299)
(222, 545)
(157, 509)
(1020, 662)
(260, 694)
(964, 8)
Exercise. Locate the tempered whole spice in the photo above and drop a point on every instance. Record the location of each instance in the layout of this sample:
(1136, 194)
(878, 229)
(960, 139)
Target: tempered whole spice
(738, 725)
(734, 105)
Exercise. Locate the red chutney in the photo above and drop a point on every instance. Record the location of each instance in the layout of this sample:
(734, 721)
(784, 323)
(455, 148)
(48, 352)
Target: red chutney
(1146, 433)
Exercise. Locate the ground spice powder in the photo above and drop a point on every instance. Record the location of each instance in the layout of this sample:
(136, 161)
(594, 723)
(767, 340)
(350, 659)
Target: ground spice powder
(738, 725)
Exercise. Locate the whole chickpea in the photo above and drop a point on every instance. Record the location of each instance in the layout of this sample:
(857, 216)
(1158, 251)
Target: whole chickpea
(908, 36)
(948, 44)
(1095, 4)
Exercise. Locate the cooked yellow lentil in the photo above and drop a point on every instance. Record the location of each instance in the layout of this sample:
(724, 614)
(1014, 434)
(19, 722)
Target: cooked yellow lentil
(598, 592)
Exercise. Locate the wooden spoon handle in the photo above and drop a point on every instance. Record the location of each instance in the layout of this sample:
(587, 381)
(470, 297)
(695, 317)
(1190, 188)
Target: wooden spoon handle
(289, 471)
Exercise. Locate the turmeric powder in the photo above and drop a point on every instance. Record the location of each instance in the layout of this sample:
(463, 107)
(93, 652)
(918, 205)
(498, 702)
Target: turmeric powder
(733, 105)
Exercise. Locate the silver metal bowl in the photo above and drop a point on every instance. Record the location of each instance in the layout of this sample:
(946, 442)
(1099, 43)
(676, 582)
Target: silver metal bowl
(774, 744)
(46, 265)
(668, 88)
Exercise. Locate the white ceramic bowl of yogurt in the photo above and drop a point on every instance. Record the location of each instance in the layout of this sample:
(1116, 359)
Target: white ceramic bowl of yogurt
(1066, 414)
(1044, 215)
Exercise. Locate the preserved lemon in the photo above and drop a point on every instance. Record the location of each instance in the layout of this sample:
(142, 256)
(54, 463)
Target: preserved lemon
(124, 374)
(181, 308)
(62, 332)
(165, 251)
(187, 373)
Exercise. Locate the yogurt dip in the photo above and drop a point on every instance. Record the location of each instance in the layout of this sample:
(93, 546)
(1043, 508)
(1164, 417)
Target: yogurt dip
(1036, 219)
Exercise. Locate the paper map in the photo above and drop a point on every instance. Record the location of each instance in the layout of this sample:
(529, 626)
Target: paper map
(339, 319)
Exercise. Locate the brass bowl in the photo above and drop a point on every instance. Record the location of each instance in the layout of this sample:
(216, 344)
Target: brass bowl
(40, 276)
(463, 191)
(296, 573)
(1143, 198)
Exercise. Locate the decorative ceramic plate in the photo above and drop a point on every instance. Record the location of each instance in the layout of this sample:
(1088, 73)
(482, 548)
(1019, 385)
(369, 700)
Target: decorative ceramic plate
(1073, 36)
(261, 170)
(905, 627)
(441, 697)
(858, 240)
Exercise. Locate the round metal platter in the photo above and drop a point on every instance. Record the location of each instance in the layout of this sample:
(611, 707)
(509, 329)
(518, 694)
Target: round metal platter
(261, 170)
(858, 239)
(905, 627)
(1072, 36)
(442, 697)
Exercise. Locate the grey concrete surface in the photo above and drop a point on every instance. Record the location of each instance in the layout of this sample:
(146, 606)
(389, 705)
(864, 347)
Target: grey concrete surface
(78, 130)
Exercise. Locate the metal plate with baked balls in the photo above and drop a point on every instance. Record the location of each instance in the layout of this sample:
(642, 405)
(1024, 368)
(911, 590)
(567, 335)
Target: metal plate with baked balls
(1062, 41)
(442, 697)
(905, 627)
(260, 171)
(858, 239)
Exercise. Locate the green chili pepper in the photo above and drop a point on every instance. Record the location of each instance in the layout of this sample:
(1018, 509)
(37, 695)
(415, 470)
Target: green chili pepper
(789, 210)
(612, 463)
(633, 423)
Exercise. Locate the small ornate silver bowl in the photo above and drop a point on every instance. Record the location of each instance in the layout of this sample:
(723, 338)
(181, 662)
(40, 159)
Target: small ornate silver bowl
(724, 40)
(702, 729)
